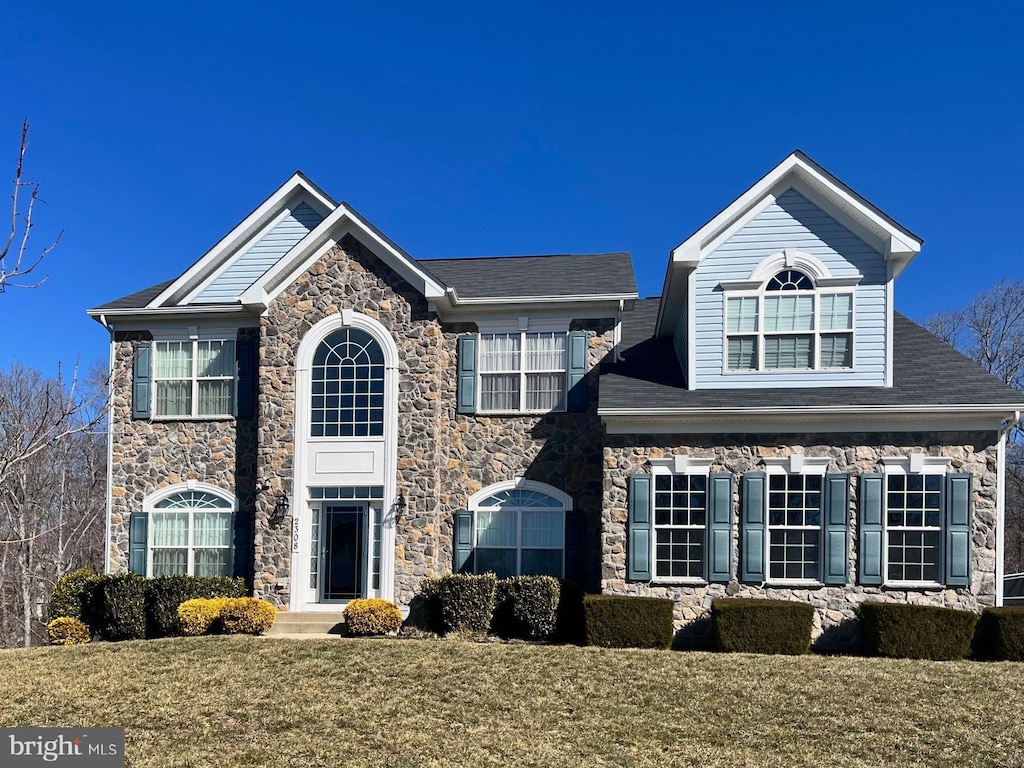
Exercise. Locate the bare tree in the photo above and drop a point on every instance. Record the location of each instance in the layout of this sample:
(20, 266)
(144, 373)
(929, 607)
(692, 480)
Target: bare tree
(990, 331)
(52, 471)
(17, 260)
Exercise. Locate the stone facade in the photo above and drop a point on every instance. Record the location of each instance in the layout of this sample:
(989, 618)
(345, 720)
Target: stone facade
(847, 453)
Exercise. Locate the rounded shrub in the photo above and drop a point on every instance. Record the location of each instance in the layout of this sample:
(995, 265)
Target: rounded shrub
(527, 607)
(67, 630)
(372, 616)
(200, 616)
(466, 601)
(165, 593)
(72, 593)
(903, 631)
(119, 607)
(762, 626)
(247, 616)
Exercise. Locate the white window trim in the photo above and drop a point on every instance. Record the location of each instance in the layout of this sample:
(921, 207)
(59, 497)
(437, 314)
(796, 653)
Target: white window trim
(756, 287)
(150, 508)
(679, 464)
(911, 464)
(193, 337)
(794, 464)
(524, 327)
(475, 507)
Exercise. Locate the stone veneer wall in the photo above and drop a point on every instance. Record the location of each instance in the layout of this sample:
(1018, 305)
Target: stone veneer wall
(149, 455)
(848, 453)
(442, 457)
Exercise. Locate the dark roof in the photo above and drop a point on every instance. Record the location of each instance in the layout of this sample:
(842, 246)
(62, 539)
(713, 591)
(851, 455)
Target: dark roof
(136, 300)
(927, 371)
(598, 274)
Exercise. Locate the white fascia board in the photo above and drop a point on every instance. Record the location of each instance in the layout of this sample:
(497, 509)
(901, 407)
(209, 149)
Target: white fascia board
(244, 231)
(796, 172)
(823, 419)
(325, 236)
(673, 296)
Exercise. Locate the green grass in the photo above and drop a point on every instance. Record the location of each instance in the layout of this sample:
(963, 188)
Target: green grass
(236, 701)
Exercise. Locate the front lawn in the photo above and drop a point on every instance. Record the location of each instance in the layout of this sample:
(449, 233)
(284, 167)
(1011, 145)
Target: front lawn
(238, 701)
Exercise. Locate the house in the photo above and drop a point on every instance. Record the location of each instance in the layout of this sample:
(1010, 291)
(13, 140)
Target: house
(313, 408)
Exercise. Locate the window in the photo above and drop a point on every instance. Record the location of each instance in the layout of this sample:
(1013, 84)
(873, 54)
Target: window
(522, 371)
(680, 520)
(190, 533)
(348, 386)
(519, 532)
(789, 325)
(794, 527)
(913, 521)
(194, 378)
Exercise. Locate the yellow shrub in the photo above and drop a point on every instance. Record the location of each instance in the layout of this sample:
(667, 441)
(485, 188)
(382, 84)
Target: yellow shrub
(199, 616)
(67, 630)
(247, 616)
(372, 617)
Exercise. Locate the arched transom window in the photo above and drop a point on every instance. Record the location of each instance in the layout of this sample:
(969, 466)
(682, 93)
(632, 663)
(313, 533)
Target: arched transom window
(789, 324)
(348, 386)
(520, 531)
(190, 532)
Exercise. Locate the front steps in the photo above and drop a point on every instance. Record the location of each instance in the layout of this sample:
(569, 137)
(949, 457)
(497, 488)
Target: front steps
(309, 624)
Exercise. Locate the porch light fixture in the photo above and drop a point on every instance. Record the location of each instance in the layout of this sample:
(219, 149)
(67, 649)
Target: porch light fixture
(280, 513)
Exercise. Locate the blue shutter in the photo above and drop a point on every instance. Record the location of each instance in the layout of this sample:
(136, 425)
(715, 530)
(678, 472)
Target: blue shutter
(869, 555)
(138, 539)
(577, 372)
(638, 566)
(241, 540)
(753, 528)
(575, 535)
(719, 541)
(247, 376)
(463, 542)
(958, 530)
(835, 516)
(141, 381)
(466, 395)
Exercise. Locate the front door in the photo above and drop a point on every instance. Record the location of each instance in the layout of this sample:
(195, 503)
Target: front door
(342, 552)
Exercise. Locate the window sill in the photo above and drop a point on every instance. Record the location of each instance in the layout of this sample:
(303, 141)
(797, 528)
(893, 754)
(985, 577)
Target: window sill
(925, 585)
(794, 584)
(677, 582)
(516, 413)
(775, 371)
(226, 417)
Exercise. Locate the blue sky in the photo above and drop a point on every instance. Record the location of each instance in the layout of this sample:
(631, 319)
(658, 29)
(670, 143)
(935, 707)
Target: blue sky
(465, 129)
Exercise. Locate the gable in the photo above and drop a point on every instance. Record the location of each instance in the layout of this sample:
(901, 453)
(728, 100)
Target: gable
(791, 223)
(246, 268)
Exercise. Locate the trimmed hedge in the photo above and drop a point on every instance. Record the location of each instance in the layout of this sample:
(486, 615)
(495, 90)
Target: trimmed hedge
(372, 616)
(1001, 634)
(165, 593)
(67, 630)
(72, 594)
(613, 621)
(466, 601)
(571, 624)
(527, 607)
(762, 626)
(199, 616)
(119, 607)
(903, 631)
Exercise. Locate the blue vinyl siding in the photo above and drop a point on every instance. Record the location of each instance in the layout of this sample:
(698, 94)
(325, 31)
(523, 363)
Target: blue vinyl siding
(792, 222)
(247, 268)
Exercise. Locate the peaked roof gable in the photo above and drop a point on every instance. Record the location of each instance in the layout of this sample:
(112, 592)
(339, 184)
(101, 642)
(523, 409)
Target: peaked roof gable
(896, 243)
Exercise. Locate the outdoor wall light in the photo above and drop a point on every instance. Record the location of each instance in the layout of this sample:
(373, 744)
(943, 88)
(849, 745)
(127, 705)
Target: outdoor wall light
(280, 513)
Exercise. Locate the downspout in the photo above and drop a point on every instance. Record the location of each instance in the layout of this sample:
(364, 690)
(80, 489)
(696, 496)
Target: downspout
(110, 446)
(1003, 431)
(617, 337)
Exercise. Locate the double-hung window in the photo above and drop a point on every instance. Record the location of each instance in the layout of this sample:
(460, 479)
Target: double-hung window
(913, 520)
(194, 378)
(523, 371)
(789, 325)
(680, 503)
(794, 527)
